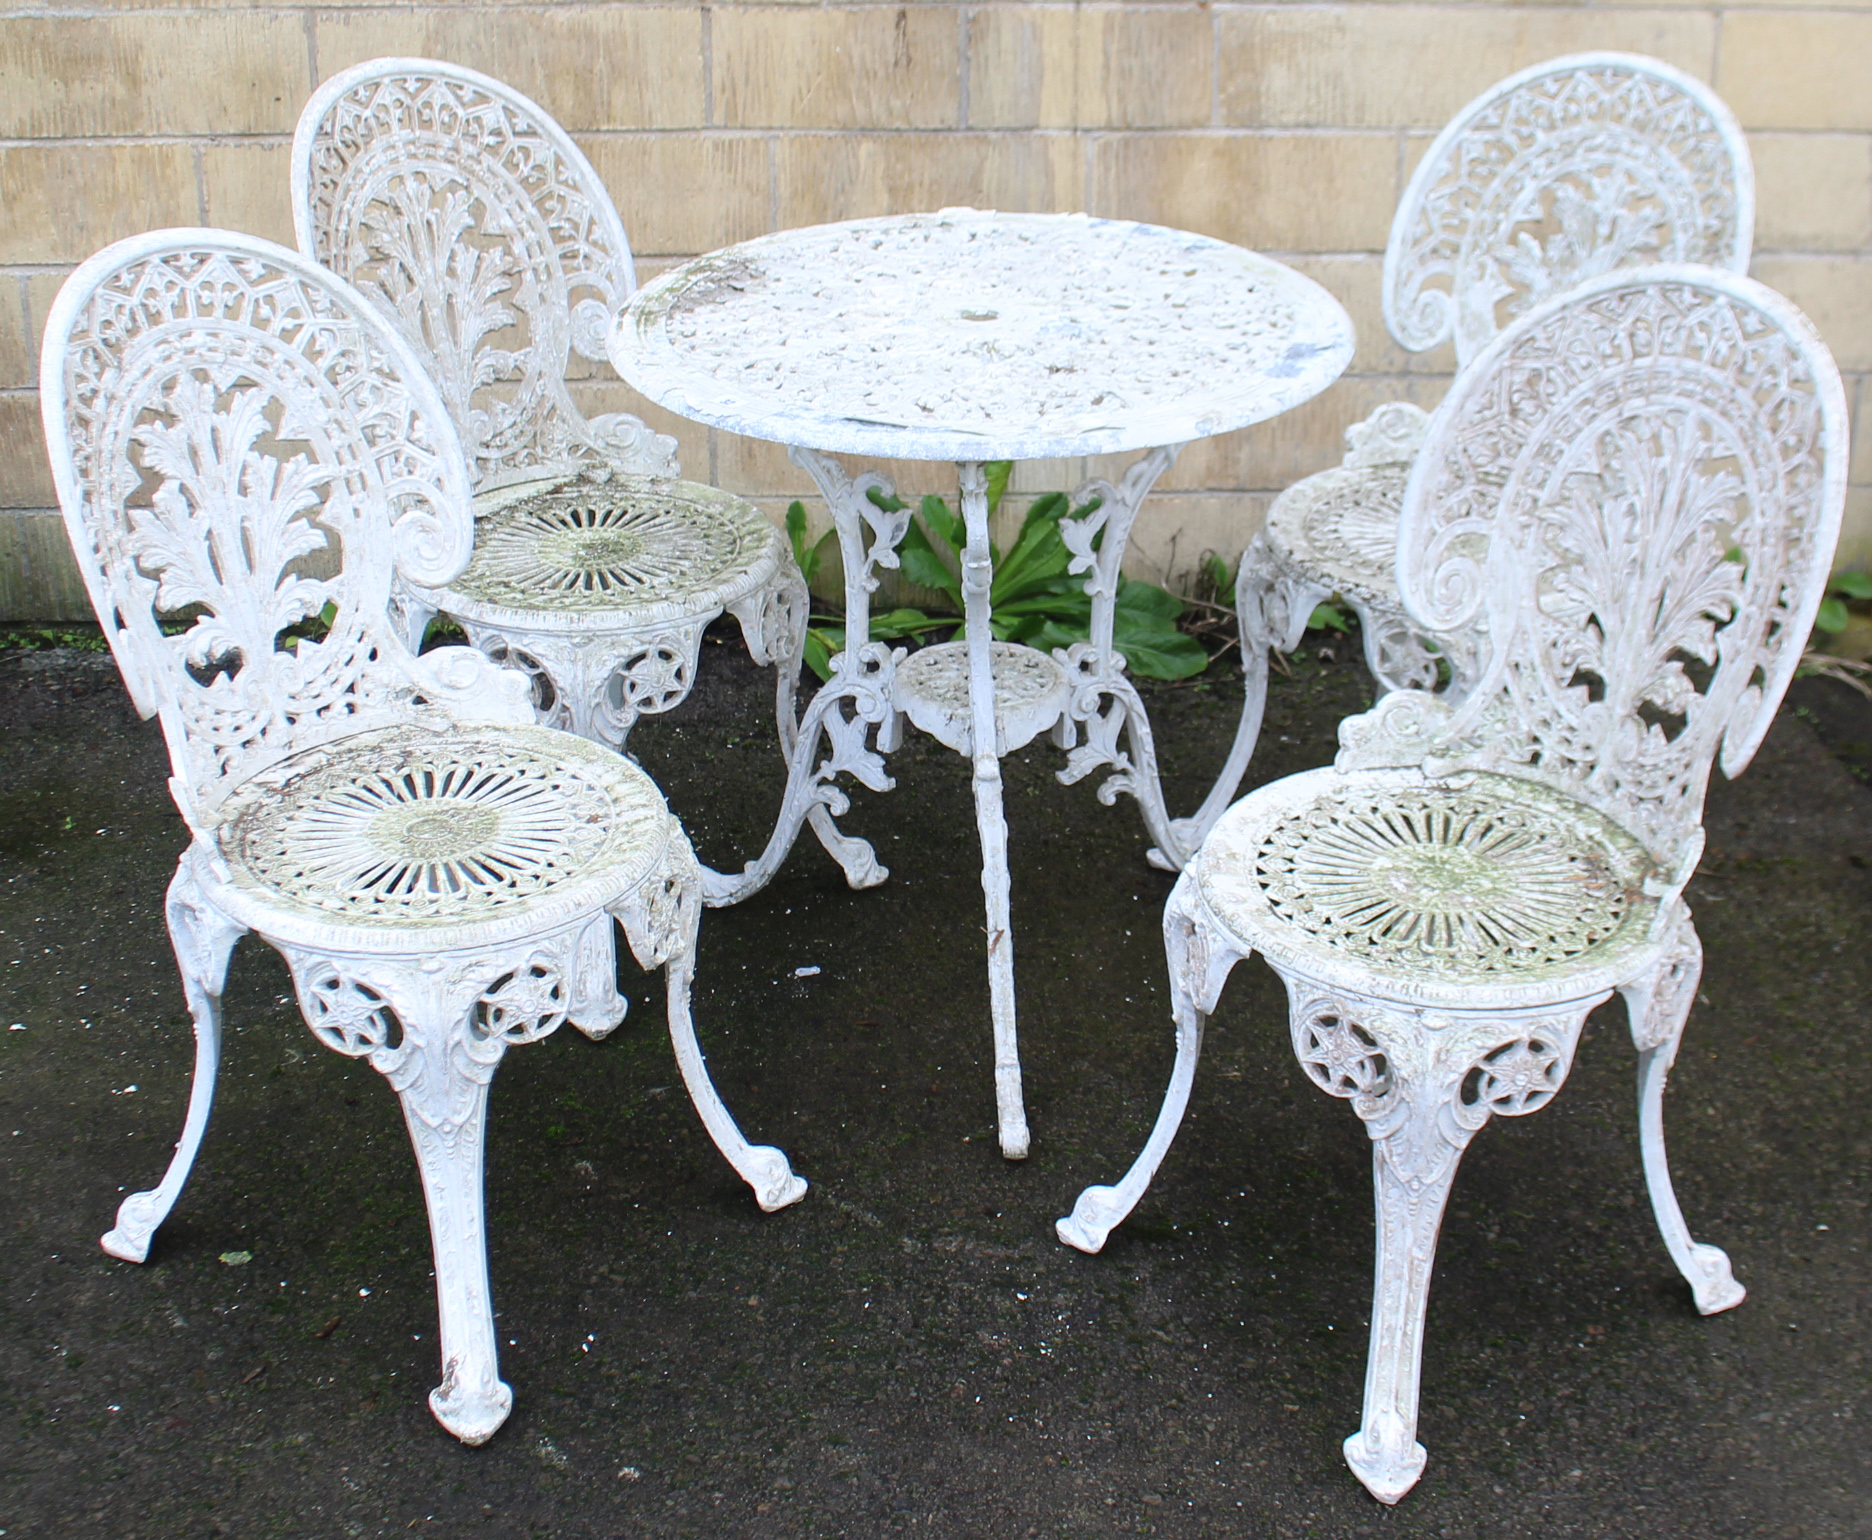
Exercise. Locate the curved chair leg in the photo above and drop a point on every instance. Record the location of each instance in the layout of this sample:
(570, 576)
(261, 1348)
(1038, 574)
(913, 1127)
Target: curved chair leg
(1200, 958)
(773, 624)
(441, 1077)
(1423, 1088)
(436, 1029)
(1272, 608)
(1658, 1007)
(1100, 1210)
(1412, 1170)
(661, 921)
(203, 939)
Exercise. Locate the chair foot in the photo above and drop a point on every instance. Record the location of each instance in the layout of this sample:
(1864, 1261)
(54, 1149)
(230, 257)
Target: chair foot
(1097, 1213)
(137, 1218)
(1386, 1458)
(473, 1416)
(770, 1174)
(1712, 1283)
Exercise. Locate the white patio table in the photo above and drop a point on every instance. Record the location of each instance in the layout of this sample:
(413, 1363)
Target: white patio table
(974, 336)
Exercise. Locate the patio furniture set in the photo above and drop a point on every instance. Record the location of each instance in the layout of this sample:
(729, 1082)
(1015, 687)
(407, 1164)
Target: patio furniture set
(1582, 579)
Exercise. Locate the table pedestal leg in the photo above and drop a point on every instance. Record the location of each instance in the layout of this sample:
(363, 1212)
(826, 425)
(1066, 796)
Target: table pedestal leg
(984, 745)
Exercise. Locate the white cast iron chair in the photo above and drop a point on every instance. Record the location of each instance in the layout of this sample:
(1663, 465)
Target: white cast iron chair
(1626, 509)
(1576, 167)
(441, 875)
(483, 232)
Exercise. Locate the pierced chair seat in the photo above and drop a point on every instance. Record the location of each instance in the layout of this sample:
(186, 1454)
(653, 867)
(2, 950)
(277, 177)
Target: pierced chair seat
(407, 838)
(1340, 527)
(599, 586)
(613, 551)
(1336, 533)
(1427, 891)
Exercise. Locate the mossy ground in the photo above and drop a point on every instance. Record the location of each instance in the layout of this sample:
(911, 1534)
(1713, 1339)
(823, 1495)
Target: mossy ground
(909, 1350)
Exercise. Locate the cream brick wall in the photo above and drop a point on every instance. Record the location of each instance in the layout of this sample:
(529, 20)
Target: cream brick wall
(1288, 127)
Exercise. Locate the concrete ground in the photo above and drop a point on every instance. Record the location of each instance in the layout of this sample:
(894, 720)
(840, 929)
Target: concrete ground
(909, 1350)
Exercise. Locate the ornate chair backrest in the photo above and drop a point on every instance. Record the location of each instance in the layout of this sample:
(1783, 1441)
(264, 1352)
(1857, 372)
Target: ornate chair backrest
(470, 216)
(1626, 511)
(224, 419)
(1576, 167)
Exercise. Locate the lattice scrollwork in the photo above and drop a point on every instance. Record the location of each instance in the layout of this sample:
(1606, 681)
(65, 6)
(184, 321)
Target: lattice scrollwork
(1660, 1002)
(1341, 1057)
(485, 233)
(656, 676)
(1106, 705)
(868, 534)
(1518, 1077)
(1626, 514)
(1576, 168)
(1098, 532)
(346, 1014)
(214, 477)
(523, 1006)
(1424, 1082)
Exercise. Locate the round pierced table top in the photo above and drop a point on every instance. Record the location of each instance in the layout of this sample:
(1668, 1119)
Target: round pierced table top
(972, 335)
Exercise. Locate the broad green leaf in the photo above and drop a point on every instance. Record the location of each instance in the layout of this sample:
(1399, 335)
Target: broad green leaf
(1061, 599)
(1833, 615)
(796, 536)
(1135, 598)
(1855, 585)
(1159, 652)
(1328, 617)
(821, 644)
(998, 472)
(1038, 555)
(893, 624)
(919, 562)
(944, 526)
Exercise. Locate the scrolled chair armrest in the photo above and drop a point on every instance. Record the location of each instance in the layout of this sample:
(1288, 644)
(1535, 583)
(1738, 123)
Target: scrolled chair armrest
(1406, 727)
(472, 687)
(632, 446)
